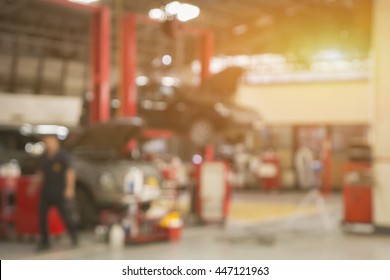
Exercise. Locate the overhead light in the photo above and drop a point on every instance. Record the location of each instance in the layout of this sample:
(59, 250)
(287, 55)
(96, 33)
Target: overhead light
(173, 8)
(84, 1)
(166, 59)
(188, 12)
(115, 103)
(182, 11)
(157, 14)
(142, 81)
(169, 81)
(330, 55)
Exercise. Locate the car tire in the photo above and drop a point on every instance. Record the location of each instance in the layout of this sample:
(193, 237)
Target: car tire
(84, 213)
(201, 132)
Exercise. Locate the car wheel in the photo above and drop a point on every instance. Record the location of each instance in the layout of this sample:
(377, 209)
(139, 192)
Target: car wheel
(84, 212)
(201, 132)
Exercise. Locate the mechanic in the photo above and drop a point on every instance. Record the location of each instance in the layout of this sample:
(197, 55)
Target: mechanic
(58, 189)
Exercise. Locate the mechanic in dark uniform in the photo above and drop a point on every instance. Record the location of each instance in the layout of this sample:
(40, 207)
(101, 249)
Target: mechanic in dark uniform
(58, 188)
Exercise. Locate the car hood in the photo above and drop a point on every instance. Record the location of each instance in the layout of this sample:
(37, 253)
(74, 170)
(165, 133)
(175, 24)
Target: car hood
(224, 83)
(111, 134)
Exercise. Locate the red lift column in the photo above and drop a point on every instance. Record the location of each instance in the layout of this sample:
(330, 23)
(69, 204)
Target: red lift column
(129, 66)
(206, 52)
(100, 45)
(100, 57)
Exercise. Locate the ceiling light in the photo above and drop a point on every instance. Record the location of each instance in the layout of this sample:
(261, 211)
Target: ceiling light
(173, 8)
(157, 14)
(169, 81)
(182, 11)
(142, 81)
(330, 55)
(188, 12)
(115, 103)
(166, 59)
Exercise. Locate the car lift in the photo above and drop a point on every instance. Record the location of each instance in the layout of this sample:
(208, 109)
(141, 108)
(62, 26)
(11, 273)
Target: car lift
(100, 56)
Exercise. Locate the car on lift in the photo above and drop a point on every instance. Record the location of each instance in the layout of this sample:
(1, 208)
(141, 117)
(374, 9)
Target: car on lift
(97, 157)
(202, 114)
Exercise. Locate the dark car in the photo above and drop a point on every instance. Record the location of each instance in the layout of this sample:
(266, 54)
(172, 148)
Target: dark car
(99, 163)
(202, 116)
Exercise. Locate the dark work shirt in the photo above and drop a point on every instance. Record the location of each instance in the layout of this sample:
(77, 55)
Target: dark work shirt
(54, 174)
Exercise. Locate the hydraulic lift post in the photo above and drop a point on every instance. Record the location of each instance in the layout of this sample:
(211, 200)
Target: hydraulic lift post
(100, 56)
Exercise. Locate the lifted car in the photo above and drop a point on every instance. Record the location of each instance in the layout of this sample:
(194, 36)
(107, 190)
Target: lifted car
(201, 116)
(202, 113)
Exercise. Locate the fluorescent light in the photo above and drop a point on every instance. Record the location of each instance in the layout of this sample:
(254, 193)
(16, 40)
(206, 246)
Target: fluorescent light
(188, 12)
(166, 59)
(157, 14)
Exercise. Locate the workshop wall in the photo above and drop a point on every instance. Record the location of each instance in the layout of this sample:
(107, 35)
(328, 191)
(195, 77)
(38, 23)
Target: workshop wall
(318, 103)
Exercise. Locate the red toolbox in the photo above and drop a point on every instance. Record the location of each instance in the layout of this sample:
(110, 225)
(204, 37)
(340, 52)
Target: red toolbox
(27, 216)
(19, 211)
(357, 193)
(7, 204)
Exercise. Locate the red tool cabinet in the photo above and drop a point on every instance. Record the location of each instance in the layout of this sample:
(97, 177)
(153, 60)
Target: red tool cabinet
(19, 211)
(357, 195)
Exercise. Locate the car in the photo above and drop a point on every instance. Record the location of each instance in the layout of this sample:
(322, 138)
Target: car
(99, 163)
(200, 114)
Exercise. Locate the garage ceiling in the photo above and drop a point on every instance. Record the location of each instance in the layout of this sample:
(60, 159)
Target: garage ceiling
(297, 29)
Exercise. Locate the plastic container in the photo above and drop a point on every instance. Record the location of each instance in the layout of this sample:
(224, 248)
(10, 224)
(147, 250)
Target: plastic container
(174, 229)
(134, 181)
(116, 237)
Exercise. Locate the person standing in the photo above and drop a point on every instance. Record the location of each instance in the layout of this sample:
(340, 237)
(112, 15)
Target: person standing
(57, 178)
(304, 159)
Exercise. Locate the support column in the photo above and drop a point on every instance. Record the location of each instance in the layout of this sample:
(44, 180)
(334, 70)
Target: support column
(206, 52)
(100, 46)
(381, 122)
(129, 66)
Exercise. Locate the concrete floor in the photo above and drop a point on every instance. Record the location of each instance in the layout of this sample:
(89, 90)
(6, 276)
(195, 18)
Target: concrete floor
(281, 236)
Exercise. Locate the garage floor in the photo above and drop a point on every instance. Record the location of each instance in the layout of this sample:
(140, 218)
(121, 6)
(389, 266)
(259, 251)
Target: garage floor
(261, 226)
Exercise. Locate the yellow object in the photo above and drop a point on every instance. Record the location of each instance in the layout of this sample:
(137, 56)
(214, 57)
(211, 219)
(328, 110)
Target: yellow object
(166, 221)
(56, 167)
(151, 181)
